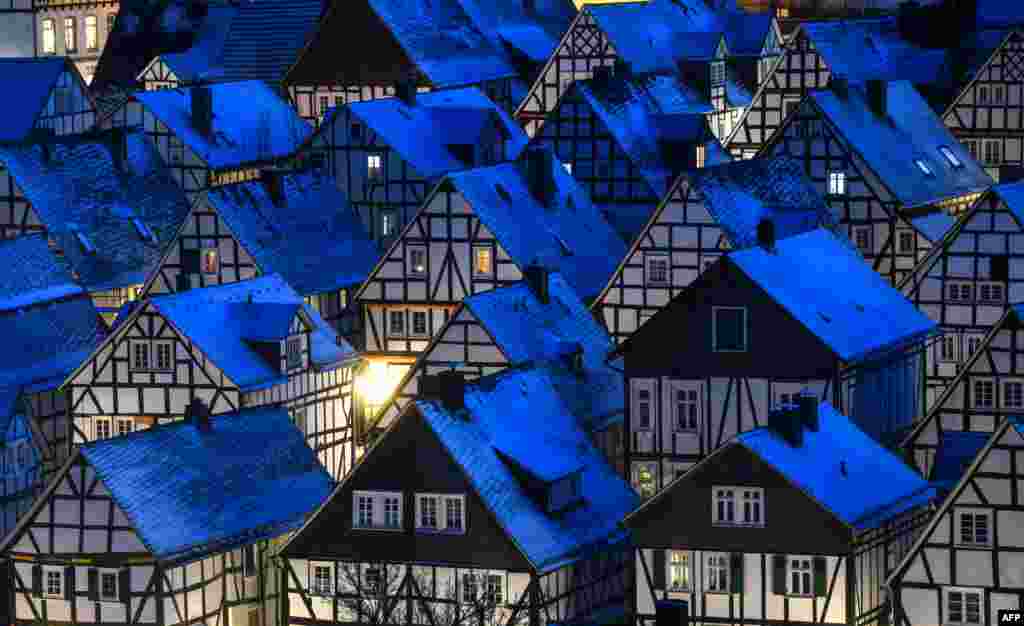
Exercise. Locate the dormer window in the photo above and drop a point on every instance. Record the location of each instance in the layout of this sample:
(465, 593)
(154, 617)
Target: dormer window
(565, 492)
(924, 167)
(950, 157)
(143, 230)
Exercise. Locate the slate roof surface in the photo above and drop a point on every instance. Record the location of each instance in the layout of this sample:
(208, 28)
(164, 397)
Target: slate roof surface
(266, 37)
(32, 80)
(9, 407)
(999, 13)
(570, 236)
(314, 240)
(420, 133)
(30, 273)
(81, 187)
(547, 441)
(1012, 195)
(890, 145)
(190, 492)
(535, 33)
(955, 453)
(877, 486)
(860, 317)
(933, 226)
(251, 123)
(220, 322)
(201, 59)
(745, 33)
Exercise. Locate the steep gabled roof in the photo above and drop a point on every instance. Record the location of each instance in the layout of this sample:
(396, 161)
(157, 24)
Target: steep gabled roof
(419, 133)
(30, 273)
(251, 123)
(32, 80)
(83, 187)
(314, 240)
(1013, 196)
(266, 37)
(200, 60)
(892, 144)
(534, 33)
(189, 491)
(745, 33)
(954, 455)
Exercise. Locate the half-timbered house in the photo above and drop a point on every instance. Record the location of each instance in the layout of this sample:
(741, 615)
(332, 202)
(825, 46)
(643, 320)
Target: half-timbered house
(105, 201)
(21, 459)
(387, 154)
(540, 320)
(626, 138)
(478, 230)
(967, 564)
(215, 134)
(704, 213)
(295, 224)
(479, 523)
(245, 344)
(856, 347)
(363, 49)
(169, 526)
(197, 63)
(967, 278)
(794, 523)
(885, 164)
(51, 99)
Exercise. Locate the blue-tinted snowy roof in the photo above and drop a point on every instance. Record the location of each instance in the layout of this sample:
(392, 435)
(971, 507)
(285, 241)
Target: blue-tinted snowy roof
(877, 486)
(934, 226)
(547, 441)
(954, 455)
(891, 144)
(570, 236)
(829, 289)
(742, 193)
(221, 323)
(46, 342)
(534, 33)
(82, 187)
(201, 60)
(314, 240)
(745, 33)
(1012, 195)
(1000, 13)
(190, 492)
(30, 272)
(873, 49)
(10, 406)
(266, 37)
(655, 36)
(251, 123)
(31, 80)
(420, 133)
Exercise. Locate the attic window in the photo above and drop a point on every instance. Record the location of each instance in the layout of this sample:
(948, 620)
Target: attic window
(502, 192)
(953, 160)
(921, 165)
(85, 242)
(143, 230)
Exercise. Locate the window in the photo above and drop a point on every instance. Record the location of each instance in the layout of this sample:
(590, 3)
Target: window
(396, 323)
(678, 570)
(645, 479)
(972, 147)
(111, 18)
(752, 506)
(108, 586)
(469, 588)
(837, 183)
(656, 266)
(642, 409)
(948, 349)
(906, 240)
(380, 510)
(924, 167)
(102, 427)
(718, 573)
(725, 509)
(175, 149)
(998, 96)
(963, 607)
(374, 167)
(729, 329)
(431, 518)
(982, 95)
(482, 261)
(984, 394)
(293, 352)
(862, 239)
(70, 35)
(419, 324)
(568, 167)
(717, 73)
(49, 37)
(164, 350)
(687, 410)
(798, 580)
(325, 104)
(373, 582)
(453, 513)
(92, 40)
(392, 512)
(417, 260)
(364, 511)
(973, 528)
(950, 157)
(54, 583)
(125, 425)
(992, 152)
(140, 355)
(427, 519)
(990, 293)
(248, 561)
(959, 292)
(999, 267)
(387, 223)
(323, 583)
(494, 590)
(1013, 394)
(700, 156)
(973, 343)
(725, 506)
(209, 261)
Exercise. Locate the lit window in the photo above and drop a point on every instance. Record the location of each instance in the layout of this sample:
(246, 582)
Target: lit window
(906, 240)
(325, 104)
(963, 608)
(952, 158)
(925, 169)
(210, 260)
(417, 260)
(140, 355)
(49, 37)
(678, 570)
(163, 350)
(70, 35)
(482, 261)
(959, 292)
(718, 573)
(323, 583)
(91, 33)
(392, 512)
(862, 239)
(687, 410)
(102, 426)
(143, 230)
(729, 329)
(701, 156)
(108, 586)
(972, 147)
(374, 167)
(387, 223)
(568, 167)
(125, 426)
(656, 269)
(799, 579)
(992, 152)
(642, 409)
(990, 293)
(644, 479)
(717, 73)
(984, 394)
(54, 582)
(293, 352)
(837, 183)
(419, 324)
(396, 323)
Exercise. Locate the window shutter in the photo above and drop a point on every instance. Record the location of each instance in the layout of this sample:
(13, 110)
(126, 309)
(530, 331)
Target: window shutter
(820, 577)
(124, 580)
(736, 572)
(659, 569)
(69, 583)
(249, 554)
(779, 574)
(94, 584)
(37, 580)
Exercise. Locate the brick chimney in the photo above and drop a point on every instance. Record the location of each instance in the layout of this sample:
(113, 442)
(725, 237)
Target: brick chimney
(452, 389)
(405, 91)
(807, 403)
(766, 234)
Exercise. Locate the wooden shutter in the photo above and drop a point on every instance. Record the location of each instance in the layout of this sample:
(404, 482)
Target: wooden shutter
(659, 569)
(779, 574)
(124, 580)
(69, 583)
(94, 584)
(37, 580)
(736, 572)
(820, 577)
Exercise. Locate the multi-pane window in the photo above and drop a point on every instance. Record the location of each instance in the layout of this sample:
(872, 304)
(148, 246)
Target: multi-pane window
(972, 147)
(717, 72)
(725, 505)
(984, 394)
(948, 349)
(483, 264)
(70, 35)
(364, 511)
(678, 570)
(718, 573)
(108, 586)
(906, 241)
(453, 513)
(963, 607)
(392, 512)
(125, 425)
(293, 352)
(687, 409)
(862, 239)
(49, 36)
(140, 355)
(837, 183)
(377, 510)
(164, 350)
(973, 343)
(973, 528)
(959, 292)
(729, 330)
(1013, 394)
(982, 95)
(992, 152)
(798, 581)
(373, 581)
(990, 293)
(431, 517)
(417, 260)
(998, 95)
(54, 582)
(953, 160)
(419, 324)
(248, 561)
(323, 581)
(92, 40)
(656, 269)
(494, 595)
(396, 323)
(428, 512)
(374, 167)
(752, 506)
(102, 426)
(642, 409)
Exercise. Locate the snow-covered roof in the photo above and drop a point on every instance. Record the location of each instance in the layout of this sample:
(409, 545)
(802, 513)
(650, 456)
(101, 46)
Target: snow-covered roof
(933, 226)
(314, 240)
(534, 33)
(200, 61)
(740, 194)
(569, 236)
(893, 144)
(82, 187)
(745, 33)
(548, 441)
(222, 323)
(954, 455)
(10, 407)
(190, 491)
(32, 80)
(31, 273)
(873, 49)
(421, 132)
(251, 123)
(876, 486)
(999, 13)
(829, 289)
(266, 37)
(1012, 195)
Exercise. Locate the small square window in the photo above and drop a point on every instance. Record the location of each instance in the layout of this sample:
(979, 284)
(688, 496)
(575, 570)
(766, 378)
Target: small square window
(419, 324)
(108, 586)
(125, 426)
(953, 160)
(960, 292)
(974, 528)
(799, 576)
(396, 323)
(374, 167)
(102, 427)
(730, 329)
(54, 583)
(678, 570)
(963, 608)
(417, 260)
(656, 269)
(323, 581)
(837, 183)
(482, 261)
(984, 392)
(990, 293)
(906, 241)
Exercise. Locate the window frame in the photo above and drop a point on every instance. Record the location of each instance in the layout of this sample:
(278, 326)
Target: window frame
(991, 286)
(488, 272)
(636, 471)
(675, 388)
(960, 288)
(719, 577)
(649, 273)
(49, 570)
(963, 592)
(121, 421)
(70, 34)
(293, 353)
(393, 331)
(975, 381)
(973, 514)
(108, 427)
(374, 166)
(315, 568)
(102, 575)
(440, 501)
(388, 223)
(155, 352)
(683, 565)
(413, 333)
(48, 36)
(135, 364)
(1004, 385)
(209, 260)
(744, 326)
(836, 183)
(411, 267)
(723, 495)
(993, 146)
(806, 575)
(379, 510)
(869, 232)
(639, 387)
(905, 240)
(948, 340)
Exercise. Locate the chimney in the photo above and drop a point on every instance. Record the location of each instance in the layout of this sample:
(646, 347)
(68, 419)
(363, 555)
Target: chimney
(1010, 174)
(622, 68)
(537, 278)
(539, 175)
(877, 95)
(202, 109)
(766, 234)
(452, 389)
(406, 92)
(807, 404)
(199, 414)
(274, 184)
(785, 421)
(118, 147)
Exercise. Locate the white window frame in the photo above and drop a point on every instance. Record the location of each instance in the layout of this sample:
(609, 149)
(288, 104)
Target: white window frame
(460, 518)
(991, 289)
(723, 506)
(836, 183)
(49, 570)
(70, 34)
(719, 577)
(209, 259)
(714, 328)
(803, 567)
(412, 323)
(650, 259)
(972, 515)
(674, 389)
(92, 33)
(101, 575)
(391, 326)
(49, 36)
(477, 251)
(948, 348)
(975, 393)
(648, 387)
(1007, 385)
(679, 566)
(743, 500)
(104, 426)
(951, 158)
(378, 512)
(415, 269)
(752, 499)
(315, 569)
(963, 592)
(293, 353)
(374, 166)
(441, 502)
(972, 343)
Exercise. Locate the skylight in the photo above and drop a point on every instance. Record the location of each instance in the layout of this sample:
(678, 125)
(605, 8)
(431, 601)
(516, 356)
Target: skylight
(921, 165)
(561, 244)
(143, 230)
(85, 242)
(953, 160)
